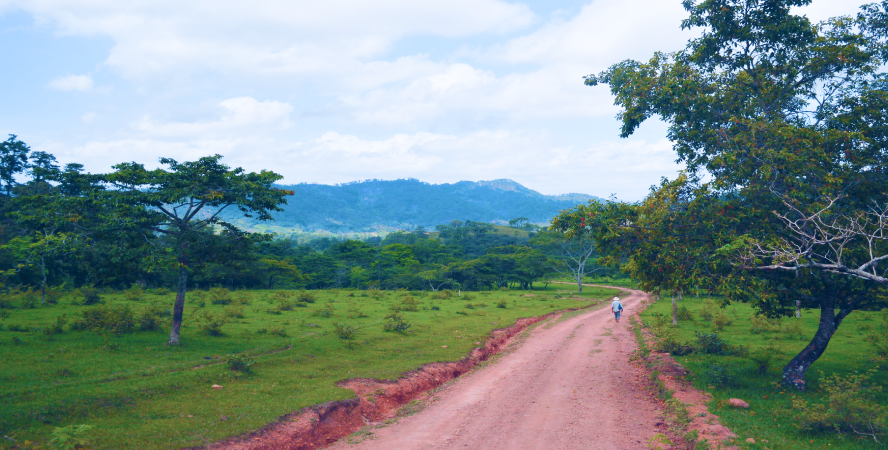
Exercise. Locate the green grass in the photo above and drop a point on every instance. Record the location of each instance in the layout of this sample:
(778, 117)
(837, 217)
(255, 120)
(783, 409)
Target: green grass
(770, 416)
(138, 392)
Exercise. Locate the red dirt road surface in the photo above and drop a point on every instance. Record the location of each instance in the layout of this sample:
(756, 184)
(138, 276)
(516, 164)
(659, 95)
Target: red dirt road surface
(570, 385)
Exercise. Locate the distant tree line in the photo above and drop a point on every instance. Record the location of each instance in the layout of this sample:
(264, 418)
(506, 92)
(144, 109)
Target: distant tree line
(63, 227)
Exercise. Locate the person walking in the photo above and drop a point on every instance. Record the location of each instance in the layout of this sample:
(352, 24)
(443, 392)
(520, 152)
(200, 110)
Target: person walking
(617, 307)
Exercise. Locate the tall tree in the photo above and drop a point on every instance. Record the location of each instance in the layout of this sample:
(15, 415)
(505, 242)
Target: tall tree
(785, 116)
(184, 204)
(13, 161)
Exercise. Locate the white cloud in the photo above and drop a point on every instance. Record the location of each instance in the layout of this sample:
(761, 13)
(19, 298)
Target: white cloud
(239, 112)
(266, 35)
(72, 83)
(88, 117)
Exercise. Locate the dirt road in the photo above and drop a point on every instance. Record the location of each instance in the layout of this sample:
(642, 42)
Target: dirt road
(570, 385)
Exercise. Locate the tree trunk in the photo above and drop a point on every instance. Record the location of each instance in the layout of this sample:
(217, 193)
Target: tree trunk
(794, 372)
(579, 282)
(798, 309)
(674, 310)
(43, 285)
(179, 306)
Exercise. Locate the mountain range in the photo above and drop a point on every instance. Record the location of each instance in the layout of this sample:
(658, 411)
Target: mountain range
(386, 205)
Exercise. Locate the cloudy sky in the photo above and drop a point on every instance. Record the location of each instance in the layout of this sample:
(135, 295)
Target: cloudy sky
(341, 90)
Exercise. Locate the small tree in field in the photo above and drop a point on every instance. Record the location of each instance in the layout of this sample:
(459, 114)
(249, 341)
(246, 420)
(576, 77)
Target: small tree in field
(183, 206)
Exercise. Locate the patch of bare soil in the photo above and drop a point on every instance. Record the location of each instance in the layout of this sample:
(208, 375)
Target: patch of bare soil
(704, 422)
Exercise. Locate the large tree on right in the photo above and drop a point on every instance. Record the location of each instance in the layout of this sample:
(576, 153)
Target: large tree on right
(789, 120)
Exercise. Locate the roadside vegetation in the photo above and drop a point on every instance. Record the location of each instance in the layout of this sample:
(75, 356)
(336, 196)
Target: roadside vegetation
(99, 358)
(731, 352)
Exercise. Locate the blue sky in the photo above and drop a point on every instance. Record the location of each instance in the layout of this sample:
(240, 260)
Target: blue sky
(344, 90)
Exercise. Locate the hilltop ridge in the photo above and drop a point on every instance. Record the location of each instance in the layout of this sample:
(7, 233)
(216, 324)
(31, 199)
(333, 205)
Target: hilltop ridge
(382, 205)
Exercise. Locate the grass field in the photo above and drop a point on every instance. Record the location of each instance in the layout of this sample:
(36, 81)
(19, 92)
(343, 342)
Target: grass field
(137, 392)
(772, 419)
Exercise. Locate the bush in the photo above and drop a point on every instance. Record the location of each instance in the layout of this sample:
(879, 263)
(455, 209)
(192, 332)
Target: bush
(409, 303)
(443, 295)
(668, 342)
(220, 296)
(134, 294)
(763, 360)
(850, 405)
(395, 322)
(239, 363)
(326, 312)
(90, 296)
(233, 312)
(720, 320)
(345, 331)
(30, 298)
(760, 324)
(71, 437)
(113, 319)
(501, 304)
(161, 291)
(210, 325)
(721, 375)
(793, 328)
(684, 313)
(713, 344)
(150, 319)
(306, 297)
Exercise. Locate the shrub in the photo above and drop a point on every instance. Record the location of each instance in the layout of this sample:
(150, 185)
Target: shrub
(409, 303)
(210, 325)
(760, 324)
(720, 320)
(278, 331)
(355, 313)
(242, 298)
(30, 298)
(4, 314)
(345, 331)
(220, 296)
(763, 360)
(395, 322)
(326, 312)
(287, 305)
(793, 328)
(239, 363)
(470, 306)
(501, 304)
(285, 295)
(306, 297)
(113, 319)
(161, 291)
(669, 342)
(234, 312)
(6, 303)
(90, 296)
(134, 294)
(150, 319)
(71, 437)
(684, 313)
(713, 344)
(721, 375)
(850, 405)
(443, 295)
(707, 311)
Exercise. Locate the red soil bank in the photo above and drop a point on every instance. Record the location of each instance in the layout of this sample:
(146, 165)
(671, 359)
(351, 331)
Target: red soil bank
(319, 425)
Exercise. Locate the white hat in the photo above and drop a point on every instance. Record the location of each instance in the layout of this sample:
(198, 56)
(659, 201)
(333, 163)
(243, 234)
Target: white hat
(616, 298)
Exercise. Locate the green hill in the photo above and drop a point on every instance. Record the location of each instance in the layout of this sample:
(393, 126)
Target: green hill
(385, 205)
